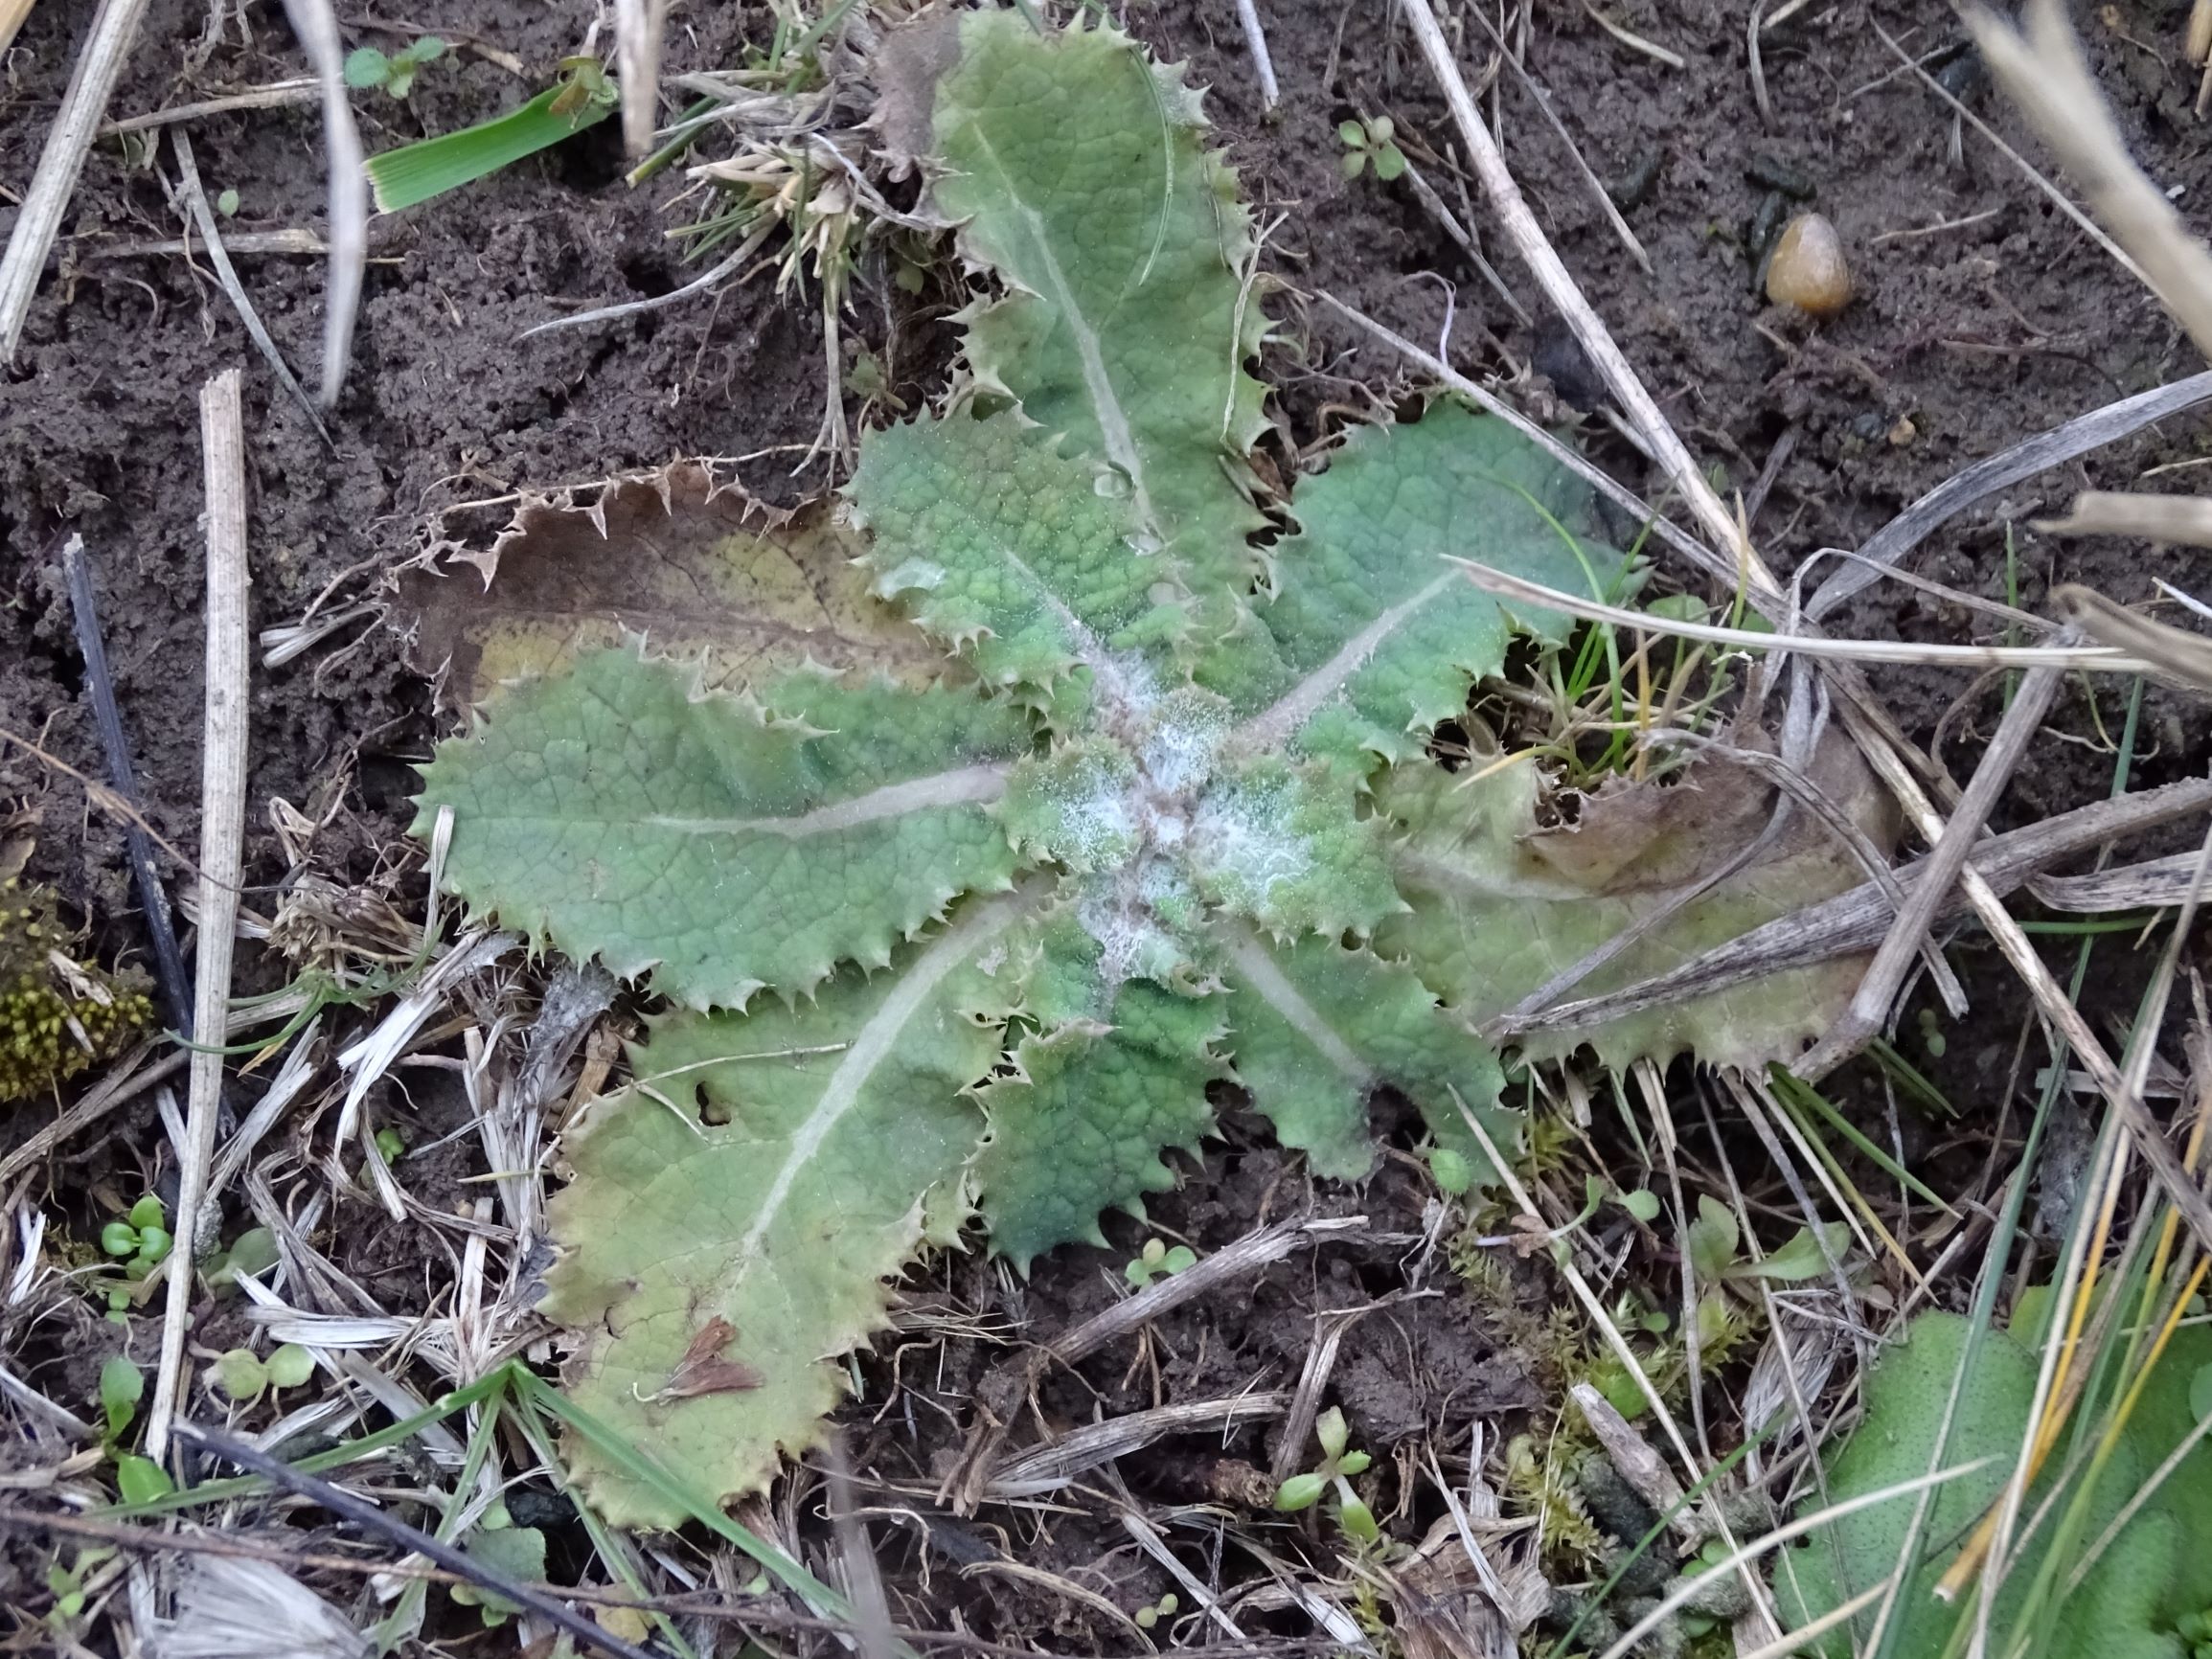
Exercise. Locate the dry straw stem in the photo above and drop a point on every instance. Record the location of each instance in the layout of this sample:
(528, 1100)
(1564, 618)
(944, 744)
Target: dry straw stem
(1878, 989)
(195, 201)
(638, 28)
(1559, 286)
(1256, 43)
(2052, 656)
(317, 27)
(67, 140)
(2174, 654)
(2187, 520)
(1856, 920)
(12, 12)
(276, 95)
(221, 854)
(2044, 74)
(1037, 1470)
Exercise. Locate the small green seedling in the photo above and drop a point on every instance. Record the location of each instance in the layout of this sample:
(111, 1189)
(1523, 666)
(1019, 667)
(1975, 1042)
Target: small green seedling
(367, 67)
(389, 1143)
(142, 1241)
(70, 1585)
(1368, 142)
(1157, 1258)
(122, 1386)
(1336, 1468)
(1163, 1608)
(226, 203)
(516, 1552)
(246, 1378)
(252, 1253)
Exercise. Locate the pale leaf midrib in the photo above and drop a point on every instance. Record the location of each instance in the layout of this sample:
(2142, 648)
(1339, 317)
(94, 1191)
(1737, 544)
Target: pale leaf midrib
(1114, 428)
(963, 786)
(1282, 720)
(871, 1046)
(1267, 981)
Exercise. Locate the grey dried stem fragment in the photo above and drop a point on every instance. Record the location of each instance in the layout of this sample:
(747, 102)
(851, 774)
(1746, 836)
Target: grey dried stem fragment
(317, 26)
(221, 854)
(98, 65)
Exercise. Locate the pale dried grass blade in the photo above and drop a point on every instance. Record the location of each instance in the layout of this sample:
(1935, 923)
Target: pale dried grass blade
(98, 65)
(12, 12)
(2064, 656)
(1037, 1470)
(316, 24)
(1559, 286)
(221, 856)
(2187, 520)
(2174, 653)
(2043, 72)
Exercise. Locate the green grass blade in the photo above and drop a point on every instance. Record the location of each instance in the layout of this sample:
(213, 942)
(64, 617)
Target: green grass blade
(640, 1467)
(336, 1457)
(415, 173)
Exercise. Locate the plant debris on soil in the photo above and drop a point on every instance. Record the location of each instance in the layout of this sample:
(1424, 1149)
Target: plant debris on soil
(1424, 1413)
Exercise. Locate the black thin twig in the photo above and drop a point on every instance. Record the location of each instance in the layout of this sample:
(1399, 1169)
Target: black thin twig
(363, 1513)
(169, 967)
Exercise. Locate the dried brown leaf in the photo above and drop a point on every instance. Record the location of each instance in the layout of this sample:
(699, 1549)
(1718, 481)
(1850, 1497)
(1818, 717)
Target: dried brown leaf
(702, 570)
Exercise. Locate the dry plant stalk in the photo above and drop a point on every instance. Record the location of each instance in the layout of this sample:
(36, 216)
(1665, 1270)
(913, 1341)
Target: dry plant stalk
(221, 854)
(317, 26)
(2187, 520)
(2043, 71)
(98, 65)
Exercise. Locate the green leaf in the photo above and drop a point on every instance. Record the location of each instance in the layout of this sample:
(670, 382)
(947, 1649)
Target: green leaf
(415, 173)
(239, 1375)
(367, 67)
(1351, 134)
(427, 49)
(1300, 1492)
(735, 1211)
(511, 1551)
(1798, 1257)
(1319, 1028)
(1078, 172)
(1712, 1239)
(1332, 1432)
(2146, 1579)
(1642, 1203)
(1282, 844)
(723, 846)
(1380, 636)
(1039, 573)
(122, 1387)
(254, 1251)
(141, 1480)
(291, 1366)
(1453, 1171)
(147, 1212)
(1501, 901)
(1080, 1124)
(119, 1238)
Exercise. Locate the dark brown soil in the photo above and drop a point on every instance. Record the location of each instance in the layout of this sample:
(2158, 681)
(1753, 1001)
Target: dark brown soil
(1961, 342)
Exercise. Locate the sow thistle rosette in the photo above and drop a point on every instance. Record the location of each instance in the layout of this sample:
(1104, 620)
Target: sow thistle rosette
(982, 941)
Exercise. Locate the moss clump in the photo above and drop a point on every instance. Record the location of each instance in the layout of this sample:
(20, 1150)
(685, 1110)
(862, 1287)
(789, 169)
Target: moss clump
(58, 1014)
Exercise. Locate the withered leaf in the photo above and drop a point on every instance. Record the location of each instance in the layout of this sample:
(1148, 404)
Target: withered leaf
(698, 567)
